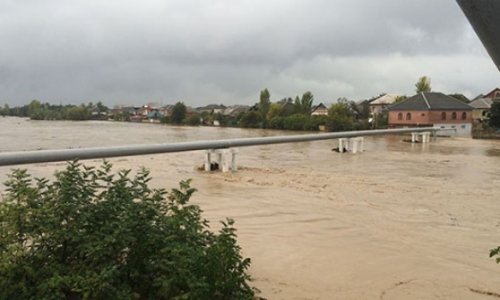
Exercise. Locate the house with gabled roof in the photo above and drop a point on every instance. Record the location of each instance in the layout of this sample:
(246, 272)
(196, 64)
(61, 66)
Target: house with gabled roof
(432, 109)
(319, 110)
(378, 104)
(493, 95)
(212, 108)
(481, 108)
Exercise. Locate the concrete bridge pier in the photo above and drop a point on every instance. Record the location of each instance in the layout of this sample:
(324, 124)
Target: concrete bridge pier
(425, 137)
(352, 145)
(225, 159)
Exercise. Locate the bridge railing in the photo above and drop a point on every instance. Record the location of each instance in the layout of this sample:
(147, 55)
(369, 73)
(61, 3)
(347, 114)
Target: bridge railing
(42, 156)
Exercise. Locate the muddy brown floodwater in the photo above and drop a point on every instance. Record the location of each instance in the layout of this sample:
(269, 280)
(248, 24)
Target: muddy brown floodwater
(399, 221)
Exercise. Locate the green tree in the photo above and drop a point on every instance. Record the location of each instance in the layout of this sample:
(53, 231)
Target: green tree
(287, 107)
(6, 110)
(314, 122)
(295, 122)
(251, 119)
(297, 105)
(400, 98)
(276, 123)
(306, 103)
(178, 113)
(77, 113)
(91, 234)
(340, 117)
(423, 84)
(35, 111)
(194, 120)
(264, 105)
(494, 117)
(275, 110)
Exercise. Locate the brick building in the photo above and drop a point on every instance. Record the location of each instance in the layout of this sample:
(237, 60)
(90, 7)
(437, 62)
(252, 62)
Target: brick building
(432, 109)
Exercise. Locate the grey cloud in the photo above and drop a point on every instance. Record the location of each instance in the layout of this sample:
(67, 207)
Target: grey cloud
(203, 51)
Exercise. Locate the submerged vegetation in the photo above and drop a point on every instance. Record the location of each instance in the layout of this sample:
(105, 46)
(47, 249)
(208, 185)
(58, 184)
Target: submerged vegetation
(90, 234)
(36, 110)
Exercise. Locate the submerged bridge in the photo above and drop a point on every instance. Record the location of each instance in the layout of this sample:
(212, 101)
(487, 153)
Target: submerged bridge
(44, 156)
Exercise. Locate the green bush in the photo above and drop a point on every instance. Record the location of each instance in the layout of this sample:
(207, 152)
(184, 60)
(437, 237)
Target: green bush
(251, 119)
(295, 122)
(193, 120)
(276, 123)
(314, 122)
(93, 235)
(494, 116)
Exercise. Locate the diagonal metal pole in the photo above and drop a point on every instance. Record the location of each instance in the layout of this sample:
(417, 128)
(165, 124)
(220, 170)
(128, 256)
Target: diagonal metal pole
(41, 156)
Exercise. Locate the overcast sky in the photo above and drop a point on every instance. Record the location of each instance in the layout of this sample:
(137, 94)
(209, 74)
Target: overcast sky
(226, 51)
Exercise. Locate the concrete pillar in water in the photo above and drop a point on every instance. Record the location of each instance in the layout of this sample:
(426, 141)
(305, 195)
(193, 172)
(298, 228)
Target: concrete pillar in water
(234, 167)
(343, 144)
(361, 141)
(426, 137)
(414, 137)
(225, 158)
(354, 143)
(208, 162)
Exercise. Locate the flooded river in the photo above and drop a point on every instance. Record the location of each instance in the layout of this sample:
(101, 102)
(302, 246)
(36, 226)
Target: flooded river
(398, 221)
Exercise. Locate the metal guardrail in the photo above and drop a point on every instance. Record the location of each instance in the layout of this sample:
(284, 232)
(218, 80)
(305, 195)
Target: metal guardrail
(42, 156)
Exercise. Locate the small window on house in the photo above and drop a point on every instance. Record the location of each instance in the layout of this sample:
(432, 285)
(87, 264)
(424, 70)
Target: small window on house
(453, 126)
(463, 126)
(464, 115)
(408, 116)
(453, 115)
(400, 116)
(443, 116)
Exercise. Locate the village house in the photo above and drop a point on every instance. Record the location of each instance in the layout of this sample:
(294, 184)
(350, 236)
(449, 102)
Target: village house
(432, 109)
(166, 110)
(319, 110)
(378, 104)
(481, 108)
(236, 110)
(493, 95)
(212, 109)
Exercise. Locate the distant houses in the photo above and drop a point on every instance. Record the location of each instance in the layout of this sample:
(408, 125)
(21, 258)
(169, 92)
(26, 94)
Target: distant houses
(432, 109)
(494, 95)
(482, 105)
(212, 109)
(386, 110)
(319, 110)
(378, 104)
(152, 112)
(481, 109)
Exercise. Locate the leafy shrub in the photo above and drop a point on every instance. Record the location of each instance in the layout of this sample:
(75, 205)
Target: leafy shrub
(314, 122)
(90, 234)
(251, 119)
(193, 120)
(340, 123)
(494, 116)
(164, 120)
(295, 122)
(276, 123)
